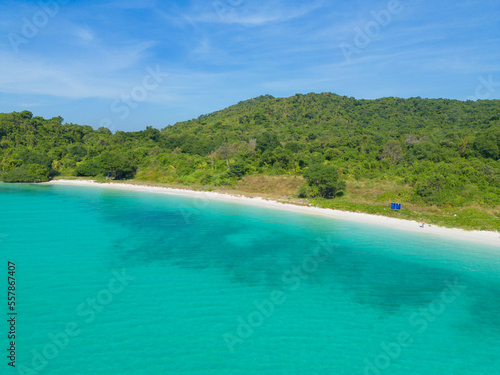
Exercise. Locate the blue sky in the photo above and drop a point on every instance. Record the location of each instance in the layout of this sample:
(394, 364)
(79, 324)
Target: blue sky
(131, 64)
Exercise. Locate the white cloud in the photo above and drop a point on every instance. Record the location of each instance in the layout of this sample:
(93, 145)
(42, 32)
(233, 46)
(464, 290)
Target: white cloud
(131, 4)
(102, 72)
(85, 34)
(256, 14)
(204, 47)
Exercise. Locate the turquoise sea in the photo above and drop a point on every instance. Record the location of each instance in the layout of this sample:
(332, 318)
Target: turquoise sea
(122, 282)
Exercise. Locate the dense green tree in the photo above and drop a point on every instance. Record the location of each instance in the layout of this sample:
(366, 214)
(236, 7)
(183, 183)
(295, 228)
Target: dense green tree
(30, 157)
(88, 168)
(324, 181)
(26, 173)
(392, 151)
(77, 151)
(446, 151)
(115, 164)
(267, 141)
(488, 144)
(238, 168)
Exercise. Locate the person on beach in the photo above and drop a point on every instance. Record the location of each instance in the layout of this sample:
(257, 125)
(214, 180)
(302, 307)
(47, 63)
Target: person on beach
(423, 223)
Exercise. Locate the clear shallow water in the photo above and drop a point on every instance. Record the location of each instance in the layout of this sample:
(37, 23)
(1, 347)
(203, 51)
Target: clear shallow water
(155, 284)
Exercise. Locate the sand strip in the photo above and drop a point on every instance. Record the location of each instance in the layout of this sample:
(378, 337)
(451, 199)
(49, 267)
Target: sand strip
(483, 237)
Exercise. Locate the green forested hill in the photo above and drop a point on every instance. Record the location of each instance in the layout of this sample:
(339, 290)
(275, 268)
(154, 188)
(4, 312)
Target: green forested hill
(427, 151)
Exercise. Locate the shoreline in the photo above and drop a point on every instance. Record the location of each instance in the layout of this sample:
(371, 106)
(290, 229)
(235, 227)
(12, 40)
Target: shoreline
(482, 237)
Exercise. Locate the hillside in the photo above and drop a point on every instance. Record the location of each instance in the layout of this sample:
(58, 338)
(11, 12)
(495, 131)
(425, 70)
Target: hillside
(436, 156)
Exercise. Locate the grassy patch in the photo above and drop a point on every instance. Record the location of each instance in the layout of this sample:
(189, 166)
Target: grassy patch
(467, 218)
(270, 185)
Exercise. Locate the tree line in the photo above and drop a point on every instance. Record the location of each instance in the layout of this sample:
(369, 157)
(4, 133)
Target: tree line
(447, 151)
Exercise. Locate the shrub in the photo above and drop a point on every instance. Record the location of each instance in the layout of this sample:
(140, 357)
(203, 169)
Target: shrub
(323, 181)
(27, 173)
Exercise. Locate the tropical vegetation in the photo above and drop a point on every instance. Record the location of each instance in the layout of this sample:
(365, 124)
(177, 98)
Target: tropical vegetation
(435, 153)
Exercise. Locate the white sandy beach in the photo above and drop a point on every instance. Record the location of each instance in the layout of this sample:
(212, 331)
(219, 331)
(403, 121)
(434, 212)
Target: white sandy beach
(482, 237)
